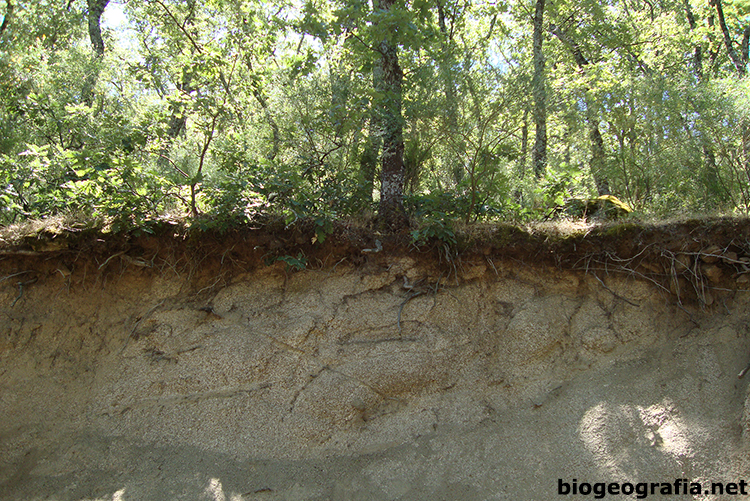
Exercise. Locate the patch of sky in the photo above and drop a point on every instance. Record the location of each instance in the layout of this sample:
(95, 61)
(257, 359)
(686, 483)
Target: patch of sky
(116, 21)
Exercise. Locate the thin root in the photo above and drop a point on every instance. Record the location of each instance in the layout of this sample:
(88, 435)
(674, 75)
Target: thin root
(20, 289)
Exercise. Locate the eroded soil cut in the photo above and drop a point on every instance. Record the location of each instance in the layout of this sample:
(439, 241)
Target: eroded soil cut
(258, 365)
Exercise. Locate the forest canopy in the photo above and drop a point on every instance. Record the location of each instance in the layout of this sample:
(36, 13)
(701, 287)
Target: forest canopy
(405, 110)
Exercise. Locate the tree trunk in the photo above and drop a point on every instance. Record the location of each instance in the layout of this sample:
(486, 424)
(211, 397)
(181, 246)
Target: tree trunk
(598, 155)
(178, 117)
(95, 11)
(524, 144)
(7, 16)
(446, 68)
(368, 162)
(446, 65)
(740, 61)
(711, 177)
(340, 90)
(697, 53)
(539, 152)
(391, 211)
(256, 89)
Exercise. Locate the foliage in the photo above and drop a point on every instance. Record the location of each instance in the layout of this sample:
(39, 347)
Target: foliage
(433, 228)
(298, 263)
(182, 114)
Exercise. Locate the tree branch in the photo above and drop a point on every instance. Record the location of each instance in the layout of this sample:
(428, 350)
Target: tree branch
(181, 27)
(575, 49)
(738, 63)
(174, 165)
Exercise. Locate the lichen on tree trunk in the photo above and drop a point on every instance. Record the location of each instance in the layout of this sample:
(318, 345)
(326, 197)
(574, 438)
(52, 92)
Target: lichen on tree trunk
(539, 152)
(391, 212)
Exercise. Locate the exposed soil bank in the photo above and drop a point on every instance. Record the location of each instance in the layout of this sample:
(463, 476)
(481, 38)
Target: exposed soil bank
(156, 368)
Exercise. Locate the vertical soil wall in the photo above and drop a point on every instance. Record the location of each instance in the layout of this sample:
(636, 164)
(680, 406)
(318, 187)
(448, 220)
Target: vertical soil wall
(390, 377)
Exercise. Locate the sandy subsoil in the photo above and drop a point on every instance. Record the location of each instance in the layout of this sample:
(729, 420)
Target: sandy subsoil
(158, 368)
